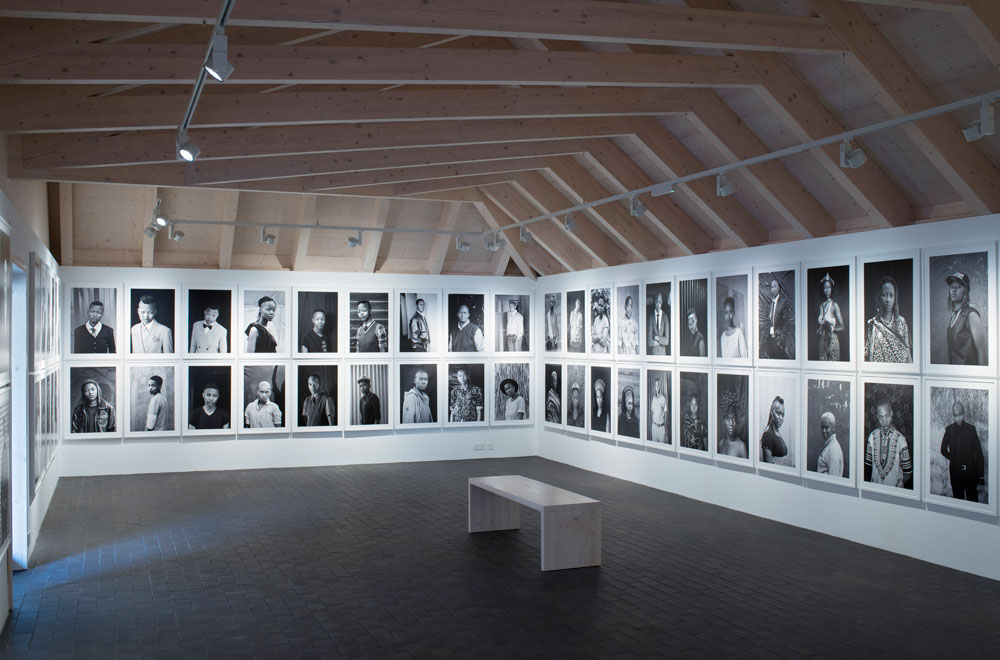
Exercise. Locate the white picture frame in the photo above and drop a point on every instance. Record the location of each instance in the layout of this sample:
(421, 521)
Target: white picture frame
(317, 299)
(82, 294)
(302, 371)
(434, 317)
(693, 292)
(250, 375)
(248, 307)
(480, 377)
(222, 374)
(378, 371)
(664, 286)
(576, 372)
(520, 372)
(165, 297)
(878, 265)
(736, 379)
(766, 342)
(694, 382)
(74, 377)
(480, 313)
(349, 321)
(622, 340)
(604, 293)
(769, 384)
(560, 368)
(831, 392)
(814, 344)
(136, 371)
(665, 374)
(231, 338)
(604, 373)
(407, 370)
(906, 420)
(735, 284)
(554, 346)
(632, 373)
(500, 306)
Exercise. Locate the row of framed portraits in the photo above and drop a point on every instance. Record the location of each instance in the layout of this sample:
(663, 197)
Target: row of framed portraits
(885, 317)
(45, 425)
(903, 435)
(204, 322)
(167, 399)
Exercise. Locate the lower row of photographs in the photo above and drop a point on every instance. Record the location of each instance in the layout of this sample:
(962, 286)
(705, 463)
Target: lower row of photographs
(261, 398)
(909, 437)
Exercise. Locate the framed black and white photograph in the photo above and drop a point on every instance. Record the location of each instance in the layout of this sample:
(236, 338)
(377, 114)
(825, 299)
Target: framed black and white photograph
(960, 310)
(658, 395)
(657, 326)
(777, 306)
(94, 403)
(553, 321)
(417, 389)
(511, 394)
(576, 315)
(5, 325)
(628, 320)
(576, 396)
(93, 318)
(553, 381)
(829, 314)
(264, 322)
(599, 401)
(317, 396)
(599, 326)
(368, 313)
(627, 407)
(692, 408)
(732, 319)
(828, 426)
(209, 322)
(693, 332)
(420, 322)
(370, 392)
(151, 321)
(732, 416)
(153, 396)
(209, 405)
(888, 424)
(959, 453)
(889, 304)
(466, 323)
(316, 323)
(512, 320)
(777, 425)
(264, 399)
(467, 394)
(5, 469)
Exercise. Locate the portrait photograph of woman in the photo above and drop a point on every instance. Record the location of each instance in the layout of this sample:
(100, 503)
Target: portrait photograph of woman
(889, 305)
(692, 408)
(777, 417)
(732, 318)
(628, 403)
(829, 288)
(599, 405)
(732, 417)
(264, 326)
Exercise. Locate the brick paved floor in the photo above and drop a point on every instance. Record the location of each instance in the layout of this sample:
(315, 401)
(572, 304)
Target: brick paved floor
(373, 561)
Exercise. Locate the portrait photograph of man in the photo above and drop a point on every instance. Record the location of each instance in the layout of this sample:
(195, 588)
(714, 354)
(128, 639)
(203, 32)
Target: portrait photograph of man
(553, 394)
(778, 419)
(316, 325)
(210, 319)
(418, 397)
(889, 443)
(419, 322)
(732, 317)
(512, 318)
(466, 393)
(575, 310)
(888, 308)
(369, 384)
(829, 422)
(466, 315)
(659, 404)
(152, 321)
(959, 443)
(776, 315)
(263, 398)
(658, 319)
(93, 314)
(959, 292)
(317, 388)
(628, 404)
(93, 400)
(511, 388)
(553, 303)
(576, 396)
(209, 399)
(151, 392)
(828, 314)
(693, 305)
(369, 325)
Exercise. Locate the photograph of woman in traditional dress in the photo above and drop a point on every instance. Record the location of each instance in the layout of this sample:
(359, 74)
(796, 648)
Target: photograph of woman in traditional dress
(553, 394)
(828, 338)
(889, 298)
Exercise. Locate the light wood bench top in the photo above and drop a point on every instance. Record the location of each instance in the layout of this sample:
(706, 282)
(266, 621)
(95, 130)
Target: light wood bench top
(530, 493)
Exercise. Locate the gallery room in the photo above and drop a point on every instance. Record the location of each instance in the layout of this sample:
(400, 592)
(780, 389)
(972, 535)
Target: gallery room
(541, 329)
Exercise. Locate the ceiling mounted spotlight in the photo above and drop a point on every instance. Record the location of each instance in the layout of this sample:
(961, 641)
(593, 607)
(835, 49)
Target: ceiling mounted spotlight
(159, 219)
(852, 158)
(150, 231)
(525, 235)
(355, 241)
(218, 65)
(174, 234)
(636, 208)
(187, 150)
(460, 245)
(986, 125)
(662, 189)
(723, 187)
(570, 223)
(494, 242)
(265, 238)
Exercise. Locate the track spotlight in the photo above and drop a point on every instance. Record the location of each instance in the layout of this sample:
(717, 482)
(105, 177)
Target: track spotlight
(570, 223)
(460, 245)
(985, 126)
(723, 187)
(218, 65)
(150, 231)
(525, 235)
(662, 189)
(636, 208)
(852, 158)
(494, 242)
(355, 241)
(187, 150)
(174, 234)
(265, 238)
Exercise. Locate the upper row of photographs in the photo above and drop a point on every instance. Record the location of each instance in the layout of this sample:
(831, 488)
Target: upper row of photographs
(886, 319)
(305, 323)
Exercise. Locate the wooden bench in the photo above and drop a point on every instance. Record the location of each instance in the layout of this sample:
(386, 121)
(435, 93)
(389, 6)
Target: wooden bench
(571, 523)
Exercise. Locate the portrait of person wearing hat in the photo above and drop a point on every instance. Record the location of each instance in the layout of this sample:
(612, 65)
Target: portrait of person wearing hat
(575, 415)
(369, 405)
(966, 331)
(599, 418)
(513, 408)
(628, 419)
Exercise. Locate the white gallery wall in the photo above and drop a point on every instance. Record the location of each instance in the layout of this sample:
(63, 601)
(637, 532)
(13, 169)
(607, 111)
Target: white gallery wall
(921, 521)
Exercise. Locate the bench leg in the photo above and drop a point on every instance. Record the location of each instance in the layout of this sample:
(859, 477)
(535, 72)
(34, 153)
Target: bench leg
(489, 512)
(571, 536)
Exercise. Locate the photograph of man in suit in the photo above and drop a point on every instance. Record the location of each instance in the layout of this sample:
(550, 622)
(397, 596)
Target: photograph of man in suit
(94, 336)
(773, 341)
(658, 338)
(208, 335)
(148, 335)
